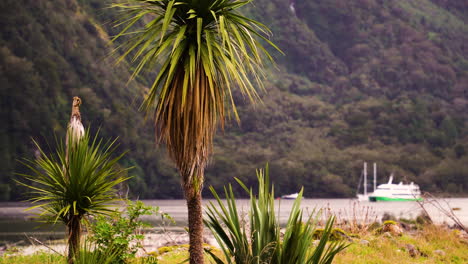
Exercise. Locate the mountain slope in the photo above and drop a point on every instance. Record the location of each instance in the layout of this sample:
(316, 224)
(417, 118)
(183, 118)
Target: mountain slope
(367, 80)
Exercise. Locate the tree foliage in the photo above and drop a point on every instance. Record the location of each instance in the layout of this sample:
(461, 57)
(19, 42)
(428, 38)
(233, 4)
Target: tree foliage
(69, 187)
(204, 49)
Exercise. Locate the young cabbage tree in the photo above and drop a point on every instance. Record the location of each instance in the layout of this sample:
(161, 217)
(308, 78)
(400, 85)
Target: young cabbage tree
(201, 50)
(68, 188)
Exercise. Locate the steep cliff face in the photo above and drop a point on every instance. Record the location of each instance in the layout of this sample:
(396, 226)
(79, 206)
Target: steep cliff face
(374, 80)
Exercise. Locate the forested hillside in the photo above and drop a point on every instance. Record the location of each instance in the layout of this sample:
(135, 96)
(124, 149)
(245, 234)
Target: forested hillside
(381, 81)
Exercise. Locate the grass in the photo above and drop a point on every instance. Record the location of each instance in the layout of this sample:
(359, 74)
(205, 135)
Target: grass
(38, 258)
(391, 250)
(179, 254)
(380, 250)
(166, 255)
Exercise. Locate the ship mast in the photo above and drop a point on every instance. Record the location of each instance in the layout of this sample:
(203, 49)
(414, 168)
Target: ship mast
(375, 176)
(365, 178)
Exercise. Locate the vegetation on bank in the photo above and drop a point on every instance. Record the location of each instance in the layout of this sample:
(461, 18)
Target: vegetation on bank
(117, 238)
(260, 239)
(355, 237)
(435, 244)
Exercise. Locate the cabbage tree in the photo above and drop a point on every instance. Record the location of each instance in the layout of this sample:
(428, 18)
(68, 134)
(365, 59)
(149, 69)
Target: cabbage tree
(69, 191)
(200, 50)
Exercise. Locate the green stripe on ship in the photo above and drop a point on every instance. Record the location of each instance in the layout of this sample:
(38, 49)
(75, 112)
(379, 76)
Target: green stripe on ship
(390, 199)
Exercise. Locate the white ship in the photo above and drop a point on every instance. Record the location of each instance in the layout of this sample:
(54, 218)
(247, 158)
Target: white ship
(388, 191)
(396, 192)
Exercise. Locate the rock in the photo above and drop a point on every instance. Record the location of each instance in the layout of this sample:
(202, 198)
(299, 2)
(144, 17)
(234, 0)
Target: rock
(408, 226)
(364, 242)
(387, 234)
(388, 216)
(412, 250)
(463, 234)
(439, 252)
(392, 227)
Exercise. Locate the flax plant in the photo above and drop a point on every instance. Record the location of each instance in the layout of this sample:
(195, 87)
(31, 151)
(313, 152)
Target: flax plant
(91, 254)
(202, 49)
(260, 241)
(68, 191)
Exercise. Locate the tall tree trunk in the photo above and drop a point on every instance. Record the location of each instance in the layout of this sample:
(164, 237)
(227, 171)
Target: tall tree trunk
(195, 220)
(74, 234)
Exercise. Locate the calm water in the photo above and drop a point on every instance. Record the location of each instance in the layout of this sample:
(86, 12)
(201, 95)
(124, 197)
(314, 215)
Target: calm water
(15, 222)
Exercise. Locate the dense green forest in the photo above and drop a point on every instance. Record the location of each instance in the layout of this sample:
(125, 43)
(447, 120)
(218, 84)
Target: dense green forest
(381, 81)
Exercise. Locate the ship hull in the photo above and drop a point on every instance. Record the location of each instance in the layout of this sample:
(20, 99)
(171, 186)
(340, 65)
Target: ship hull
(392, 199)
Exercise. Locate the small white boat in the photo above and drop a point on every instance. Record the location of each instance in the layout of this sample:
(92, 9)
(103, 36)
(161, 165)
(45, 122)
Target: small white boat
(290, 196)
(362, 197)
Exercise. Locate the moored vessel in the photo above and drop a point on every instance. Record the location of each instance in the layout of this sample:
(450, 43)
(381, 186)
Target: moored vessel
(396, 192)
(290, 196)
(388, 191)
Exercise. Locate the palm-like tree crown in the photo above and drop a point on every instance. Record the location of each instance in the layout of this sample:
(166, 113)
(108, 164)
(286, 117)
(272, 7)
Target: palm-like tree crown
(204, 48)
(85, 187)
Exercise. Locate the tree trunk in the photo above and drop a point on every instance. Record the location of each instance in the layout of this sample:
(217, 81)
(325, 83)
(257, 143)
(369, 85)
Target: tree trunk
(195, 220)
(74, 234)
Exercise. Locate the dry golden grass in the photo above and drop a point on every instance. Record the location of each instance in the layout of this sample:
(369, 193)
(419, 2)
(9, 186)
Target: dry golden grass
(382, 249)
(179, 254)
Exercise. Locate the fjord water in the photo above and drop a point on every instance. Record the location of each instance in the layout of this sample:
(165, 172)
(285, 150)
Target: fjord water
(15, 222)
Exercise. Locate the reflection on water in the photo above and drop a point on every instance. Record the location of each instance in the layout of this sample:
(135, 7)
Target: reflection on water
(18, 229)
(14, 221)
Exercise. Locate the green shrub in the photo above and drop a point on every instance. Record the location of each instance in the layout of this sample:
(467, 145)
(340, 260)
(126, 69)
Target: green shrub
(373, 226)
(90, 255)
(390, 222)
(121, 228)
(337, 234)
(423, 219)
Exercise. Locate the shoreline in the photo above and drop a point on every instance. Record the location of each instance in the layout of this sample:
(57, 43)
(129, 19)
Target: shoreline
(406, 245)
(151, 243)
